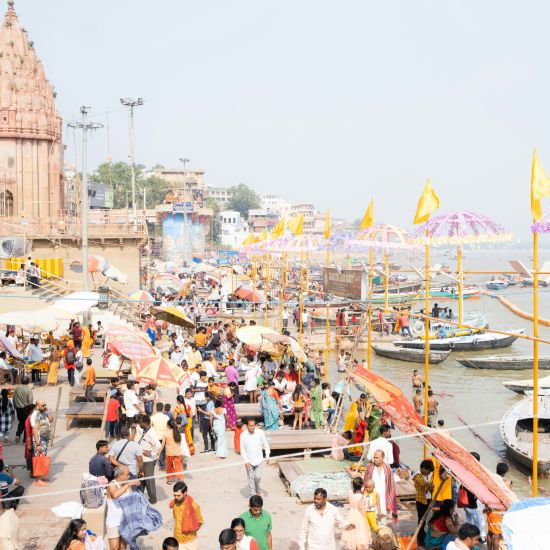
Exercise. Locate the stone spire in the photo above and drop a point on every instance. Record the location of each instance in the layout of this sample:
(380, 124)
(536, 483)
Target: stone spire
(27, 107)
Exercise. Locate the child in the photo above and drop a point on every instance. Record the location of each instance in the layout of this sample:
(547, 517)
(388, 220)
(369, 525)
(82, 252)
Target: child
(372, 504)
(360, 537)
(298, 403)
(237, 436)
(185, 450)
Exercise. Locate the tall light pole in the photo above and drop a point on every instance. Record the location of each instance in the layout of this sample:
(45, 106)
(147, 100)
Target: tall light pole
(184, 161)
(85, 126)
(131, 104)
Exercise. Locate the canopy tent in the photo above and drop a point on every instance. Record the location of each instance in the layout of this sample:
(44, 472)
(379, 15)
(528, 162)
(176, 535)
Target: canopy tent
(463, 466)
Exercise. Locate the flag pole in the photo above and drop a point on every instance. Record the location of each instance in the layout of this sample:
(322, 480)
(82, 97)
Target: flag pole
(460, 287)
(535, 361)
(427, 337)
(283, 283)
(267, 273)
(300, 297)
(254, 272)
(369, 313)
(386, 280)
(327, 323)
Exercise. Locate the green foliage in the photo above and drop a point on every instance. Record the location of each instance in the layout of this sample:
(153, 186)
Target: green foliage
(215, 226)
(119, 175)
(243, 199)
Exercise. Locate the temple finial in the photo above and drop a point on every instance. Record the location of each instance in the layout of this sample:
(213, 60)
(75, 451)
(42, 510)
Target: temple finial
(10, 4)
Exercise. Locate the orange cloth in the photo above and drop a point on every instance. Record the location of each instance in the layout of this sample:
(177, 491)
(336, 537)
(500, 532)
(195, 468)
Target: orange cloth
(174, 467)
(180, 510)
(90, 376)
(200, 339)
(237, 439)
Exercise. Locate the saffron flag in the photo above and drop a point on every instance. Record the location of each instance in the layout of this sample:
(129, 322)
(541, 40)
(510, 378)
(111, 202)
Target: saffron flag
(428, 203)
(540, 186)
(327, 225)
(279, 229)
(368, 218)
(248, 240)
(263, 236)
(296, 225)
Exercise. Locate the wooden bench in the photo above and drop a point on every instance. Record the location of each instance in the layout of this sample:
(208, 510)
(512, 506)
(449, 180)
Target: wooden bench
(76, 393)
(251, 410)
(84, 410)
(299, 439)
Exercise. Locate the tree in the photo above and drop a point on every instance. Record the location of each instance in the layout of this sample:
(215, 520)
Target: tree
(119, 175)
(243, 199)
(215, 226)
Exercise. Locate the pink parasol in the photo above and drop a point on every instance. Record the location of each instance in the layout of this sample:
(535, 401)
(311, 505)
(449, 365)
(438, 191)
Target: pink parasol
(543, 225)
(382, 236)
(457, 228)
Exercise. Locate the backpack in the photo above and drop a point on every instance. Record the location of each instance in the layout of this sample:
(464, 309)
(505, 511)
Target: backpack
(91, 493)
(70, 357)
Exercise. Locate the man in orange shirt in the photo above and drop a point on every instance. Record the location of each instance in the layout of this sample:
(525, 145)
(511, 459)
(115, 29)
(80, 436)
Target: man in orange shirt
(89, 381)
(187, 517)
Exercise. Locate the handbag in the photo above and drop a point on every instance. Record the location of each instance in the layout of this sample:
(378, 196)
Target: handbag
(40, 465)
(462, 499)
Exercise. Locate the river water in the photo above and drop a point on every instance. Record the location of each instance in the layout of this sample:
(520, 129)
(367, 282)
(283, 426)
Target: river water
(477, 396)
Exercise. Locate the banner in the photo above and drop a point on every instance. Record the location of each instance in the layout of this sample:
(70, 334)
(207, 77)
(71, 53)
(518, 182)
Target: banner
(344, 283)
(129, 342)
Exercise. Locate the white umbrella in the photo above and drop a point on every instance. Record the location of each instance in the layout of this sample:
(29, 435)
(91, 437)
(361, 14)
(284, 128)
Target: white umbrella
(77, 302)
(29, 321)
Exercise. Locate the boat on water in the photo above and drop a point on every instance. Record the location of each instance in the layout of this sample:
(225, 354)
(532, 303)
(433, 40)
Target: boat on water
(522, 386)
(497, 284)
(504, 362)
(472, 342)
(409, 354)
(452, 293)
(516, 430)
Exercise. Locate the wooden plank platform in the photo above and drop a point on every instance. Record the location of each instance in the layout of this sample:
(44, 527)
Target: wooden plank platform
(299, 439)
(80, 411)
(250, 410)
(76, 393)
(105, 374)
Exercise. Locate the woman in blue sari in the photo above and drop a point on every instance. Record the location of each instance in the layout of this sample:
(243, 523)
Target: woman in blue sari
(269, 407)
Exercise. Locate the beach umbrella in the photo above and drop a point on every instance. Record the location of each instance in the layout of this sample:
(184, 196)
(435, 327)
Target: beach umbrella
(252, 335)
(281, 343)
(457, 229)
(158, 370)
(250, 294)
(173, 316)
(97, 264)
(129, 342)
(141, 296)
(30, 321)
(525, 524)
(167, 281)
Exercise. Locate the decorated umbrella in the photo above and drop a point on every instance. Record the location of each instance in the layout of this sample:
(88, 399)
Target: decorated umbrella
(543, 225)
(167, 281)
(173, 316)
(141, 296)
(456, 229)
(129, 342)
(250, 294)
(158, 370)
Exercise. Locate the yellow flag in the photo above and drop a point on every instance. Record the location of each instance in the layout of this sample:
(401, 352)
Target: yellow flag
(263, 235)
(540, 186)
(279, 229)
(327, 225)
(296, 225)
(248, 240)
(368, 218)
(428, 203)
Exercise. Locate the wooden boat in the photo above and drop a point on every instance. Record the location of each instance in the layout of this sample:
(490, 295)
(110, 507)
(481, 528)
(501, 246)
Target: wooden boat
(522, 386)
(497, 284)
(504, 362)
(516, 429)
(409, 354)
(473, 342)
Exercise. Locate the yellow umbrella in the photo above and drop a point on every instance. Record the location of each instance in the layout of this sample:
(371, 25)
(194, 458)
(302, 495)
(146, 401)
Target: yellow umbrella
(173, 316)
(158, 370)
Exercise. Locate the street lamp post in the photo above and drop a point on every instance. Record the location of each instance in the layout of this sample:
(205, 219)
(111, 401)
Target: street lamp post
(131, 104)
(85, 126)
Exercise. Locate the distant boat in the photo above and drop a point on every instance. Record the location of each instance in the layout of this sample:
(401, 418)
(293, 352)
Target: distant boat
(497, 284)
(516, 429)
(473, 342)
(504, 362)
(522, 386)
(409, 354)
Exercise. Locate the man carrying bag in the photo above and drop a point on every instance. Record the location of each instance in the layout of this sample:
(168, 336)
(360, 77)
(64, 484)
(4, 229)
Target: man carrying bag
(41, 426)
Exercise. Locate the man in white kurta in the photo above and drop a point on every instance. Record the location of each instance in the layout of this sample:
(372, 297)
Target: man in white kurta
(317, 529)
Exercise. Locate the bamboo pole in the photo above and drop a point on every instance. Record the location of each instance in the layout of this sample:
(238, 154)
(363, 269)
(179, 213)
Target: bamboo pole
(427, 336)
(386, 280)
(460, 287)
(300, 297)
(369, 313)
(283, 283)
(535, 363)
(267, 273)
(254, 267)
(327, 323)
(56, 414)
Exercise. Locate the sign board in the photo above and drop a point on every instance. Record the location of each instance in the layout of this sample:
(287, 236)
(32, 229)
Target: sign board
(182, 207)
(225, 256)
(344, 283)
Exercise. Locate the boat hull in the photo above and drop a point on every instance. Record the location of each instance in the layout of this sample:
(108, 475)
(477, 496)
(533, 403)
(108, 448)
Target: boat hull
(410, 354)
(462, 343)
(505, 363)
(527, 461)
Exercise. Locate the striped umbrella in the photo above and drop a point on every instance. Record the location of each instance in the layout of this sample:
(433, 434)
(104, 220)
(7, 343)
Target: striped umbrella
(158, 370)
(141, 296)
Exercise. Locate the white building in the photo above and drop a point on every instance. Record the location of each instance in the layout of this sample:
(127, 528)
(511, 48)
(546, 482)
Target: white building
(221, 195)
(234, 230)
(276, 205)
(308, 211)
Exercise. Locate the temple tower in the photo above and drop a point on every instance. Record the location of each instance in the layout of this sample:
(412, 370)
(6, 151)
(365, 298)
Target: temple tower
(31, 151)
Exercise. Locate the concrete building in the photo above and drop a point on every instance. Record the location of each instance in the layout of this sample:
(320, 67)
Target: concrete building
(234, 229)
(262, 220)
(187, 183)
(308, 210)
(220, 195)
(275, 204)
(31, 151)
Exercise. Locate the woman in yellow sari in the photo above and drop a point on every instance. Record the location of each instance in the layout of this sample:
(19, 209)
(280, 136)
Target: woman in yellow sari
(350, 424)
(87, 342)
(55, 357)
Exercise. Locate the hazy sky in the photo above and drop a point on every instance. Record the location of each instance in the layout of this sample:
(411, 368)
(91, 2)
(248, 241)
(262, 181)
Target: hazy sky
(331, 102)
